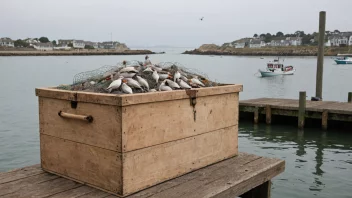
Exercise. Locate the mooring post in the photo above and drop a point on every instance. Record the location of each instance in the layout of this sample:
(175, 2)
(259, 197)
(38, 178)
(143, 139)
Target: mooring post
(301, 109)
(268, 114)
(256, 115)
(324, 120)
(349, 97)
(320, 62)
(261, 191)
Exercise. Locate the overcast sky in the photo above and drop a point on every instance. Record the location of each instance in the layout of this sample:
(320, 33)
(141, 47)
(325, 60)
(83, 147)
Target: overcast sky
(167, 22)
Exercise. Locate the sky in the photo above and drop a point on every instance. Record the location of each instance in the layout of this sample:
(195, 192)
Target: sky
(167, 22)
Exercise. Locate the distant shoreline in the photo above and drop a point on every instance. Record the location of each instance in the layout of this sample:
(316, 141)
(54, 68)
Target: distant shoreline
(267, 51)
(74, 53)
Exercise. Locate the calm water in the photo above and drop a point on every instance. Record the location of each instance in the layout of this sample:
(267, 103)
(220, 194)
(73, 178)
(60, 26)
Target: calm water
(318, 164)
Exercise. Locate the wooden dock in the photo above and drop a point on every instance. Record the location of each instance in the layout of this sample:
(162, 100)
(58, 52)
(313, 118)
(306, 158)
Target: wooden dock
(324, 110)
(246, 175)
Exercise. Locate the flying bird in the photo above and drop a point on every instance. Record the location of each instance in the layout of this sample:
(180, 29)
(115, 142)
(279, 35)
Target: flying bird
(202, 18)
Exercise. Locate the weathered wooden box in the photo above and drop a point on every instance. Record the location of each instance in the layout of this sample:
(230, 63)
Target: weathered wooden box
(126, 143)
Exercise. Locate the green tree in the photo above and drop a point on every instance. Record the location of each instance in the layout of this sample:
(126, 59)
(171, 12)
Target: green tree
(53, 42)
(279, 34)
(336, 31)
(70, 45)
(44, 39)
(20, 43)
(255, 35)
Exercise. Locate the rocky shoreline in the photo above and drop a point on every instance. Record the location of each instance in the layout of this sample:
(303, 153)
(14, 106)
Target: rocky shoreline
(75, 53)
(211, 49)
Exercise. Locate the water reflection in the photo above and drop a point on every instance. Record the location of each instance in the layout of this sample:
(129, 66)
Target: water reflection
(308, 154)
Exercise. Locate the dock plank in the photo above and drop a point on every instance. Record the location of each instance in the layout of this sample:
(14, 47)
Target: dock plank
(286, 107)
(231, 177)
(20, 173)
(44, 189)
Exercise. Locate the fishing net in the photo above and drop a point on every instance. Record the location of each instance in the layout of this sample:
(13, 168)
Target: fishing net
(98, 80)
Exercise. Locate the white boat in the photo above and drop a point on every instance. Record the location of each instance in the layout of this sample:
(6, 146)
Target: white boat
(343, 61)
(275, 68)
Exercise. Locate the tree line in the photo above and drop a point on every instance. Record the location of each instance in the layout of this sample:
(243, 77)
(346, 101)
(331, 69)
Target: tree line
(23, 43)
(306, 38)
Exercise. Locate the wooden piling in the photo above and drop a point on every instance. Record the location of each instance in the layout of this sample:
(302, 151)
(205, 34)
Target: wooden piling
(324, 120)
(301, 109)
(349, 97)
(256, 115)
(268, 114)
(320, 62)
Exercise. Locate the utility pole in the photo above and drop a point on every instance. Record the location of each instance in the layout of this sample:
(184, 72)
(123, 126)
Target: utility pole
(320, 62)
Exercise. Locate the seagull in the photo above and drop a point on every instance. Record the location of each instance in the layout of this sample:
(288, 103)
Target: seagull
(202, 18)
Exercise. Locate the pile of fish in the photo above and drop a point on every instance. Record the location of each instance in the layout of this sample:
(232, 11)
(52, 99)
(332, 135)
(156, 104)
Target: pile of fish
(138, 77)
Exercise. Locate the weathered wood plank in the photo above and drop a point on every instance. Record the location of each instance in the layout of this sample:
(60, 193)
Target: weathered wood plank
(16, 185)
(228, 178)
(231, 164)
(20, 173)
(93, 165)
(75, 192)
(174, 120)
(226, 183)
(177, 94)
(97, 194)
(44, 189)
(165, 161)
(339, 111)
(104, 131)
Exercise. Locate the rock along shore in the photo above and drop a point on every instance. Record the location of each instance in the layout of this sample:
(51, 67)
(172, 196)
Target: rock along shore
(211, 49)
(75, 53)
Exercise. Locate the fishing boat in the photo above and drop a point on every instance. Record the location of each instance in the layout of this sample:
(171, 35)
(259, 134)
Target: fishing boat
(275, 68)
(343, 61)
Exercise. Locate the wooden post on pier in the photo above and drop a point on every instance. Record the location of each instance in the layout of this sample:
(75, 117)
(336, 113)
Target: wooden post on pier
(256, 115)
(320, 62)
(301, 109)
(268, 114)
(349, 97)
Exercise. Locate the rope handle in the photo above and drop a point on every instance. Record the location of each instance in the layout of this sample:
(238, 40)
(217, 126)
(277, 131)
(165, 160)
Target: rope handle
(88, 118)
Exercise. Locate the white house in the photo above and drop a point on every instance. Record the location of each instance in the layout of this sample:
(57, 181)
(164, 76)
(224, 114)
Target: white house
(62, 47)
(7, 42)
(43, 46)
(240, 45)
(109, 45)
(31, 41)
(295, 41)
(64, 41)
(93, 44)
(255, 43)
(78, 44)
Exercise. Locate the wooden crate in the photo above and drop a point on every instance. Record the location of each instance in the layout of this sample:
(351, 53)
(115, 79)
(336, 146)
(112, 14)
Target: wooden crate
(125, 143)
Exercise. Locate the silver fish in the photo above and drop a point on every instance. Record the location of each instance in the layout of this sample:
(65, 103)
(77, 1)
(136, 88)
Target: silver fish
(133, 83)
(143, 82)
(155, 76)
(128, 69)
(115, 84)
(163, 76)
(164, 87)
(183, 84)
(152, 90)
(127, 75)
(148, 70)
(184, 78)
(125, 88)
(172, 84)
(196, 81)
(156, 68)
